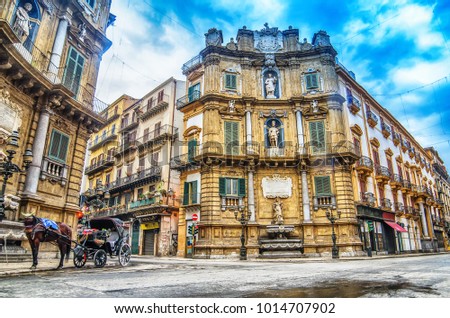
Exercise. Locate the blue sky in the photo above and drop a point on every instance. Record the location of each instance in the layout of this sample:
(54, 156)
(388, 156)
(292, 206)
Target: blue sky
(398, 49)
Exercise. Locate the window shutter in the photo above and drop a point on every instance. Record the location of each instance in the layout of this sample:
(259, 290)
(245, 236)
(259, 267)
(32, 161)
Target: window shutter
(58, 146)
(74, 70)
(232, 137)
(241, 189)
(323, 185)
(222, 186)
(194, 192)
(54, 146)
(317, 133)
(230, 81)
(192, 144)
(311, 81)
(63, 148)
(186, 194)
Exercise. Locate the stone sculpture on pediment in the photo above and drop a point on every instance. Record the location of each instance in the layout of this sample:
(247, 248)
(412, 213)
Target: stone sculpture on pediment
(213, 37)
(268, 40)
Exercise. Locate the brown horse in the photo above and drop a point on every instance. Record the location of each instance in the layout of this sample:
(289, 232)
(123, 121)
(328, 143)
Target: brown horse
(36, 233)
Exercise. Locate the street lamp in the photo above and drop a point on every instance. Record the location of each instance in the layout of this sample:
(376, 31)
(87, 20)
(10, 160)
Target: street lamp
(97, 196)
(332, 218)
(243, 219)
(7, 168)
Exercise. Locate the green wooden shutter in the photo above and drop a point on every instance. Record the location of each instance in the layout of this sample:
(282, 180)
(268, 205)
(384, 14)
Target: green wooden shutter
(222, 186)
(241, 189)
(73, 71)
(194, 192)
(186, 194)
(323, 185)
(192, 145)
(59, 145)
(230, 81)
(232, 138)
(311, 81)
(317, 136)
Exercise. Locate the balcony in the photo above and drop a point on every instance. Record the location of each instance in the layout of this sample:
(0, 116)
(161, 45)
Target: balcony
(140, 204)
(396, 138)
(324, 202)
(102, 140)
(396, 181)
(405, 145)
(386, 130)
(54, 171)
(100, 165)
(399, 207)
(192, 64)
(372, 119)
(184, 162)
(364, 165)
(382, 174)
(129, 125)
(111, 211)
(158, 136)
(138, 179)
(406, 186)
(368, 198)
(386, 204)
(275, 152)
(423, 191)
(187, 99)
(110, 117)
(154, 108)
(30, 65)
(410, 211)
(126, 147)
(230, 202)
(412, 152)
(353, 104)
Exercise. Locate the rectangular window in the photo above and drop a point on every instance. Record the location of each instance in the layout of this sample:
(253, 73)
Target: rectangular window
(190, 193)
(145, 135)
(157, 129)
(231, 138)
(91, 3)
(59, 145)
(312, 81)
(376, 157)
(107, 179)
(73, 71)
(141, 163)
(230, 81)
(194, 92)
(155, 158)
(150, 103)
(322, 185)
(317, 137)
(113, 129)
(160, 96)
(192, 149)
(232, 187)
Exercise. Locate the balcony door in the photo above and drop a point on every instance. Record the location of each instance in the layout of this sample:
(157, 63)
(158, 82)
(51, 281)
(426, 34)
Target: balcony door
(73, 71)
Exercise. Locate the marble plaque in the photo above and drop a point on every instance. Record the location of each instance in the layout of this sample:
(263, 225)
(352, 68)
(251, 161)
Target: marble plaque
(277, 187)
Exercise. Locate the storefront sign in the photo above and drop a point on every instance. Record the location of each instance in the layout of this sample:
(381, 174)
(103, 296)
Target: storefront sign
(150, 226)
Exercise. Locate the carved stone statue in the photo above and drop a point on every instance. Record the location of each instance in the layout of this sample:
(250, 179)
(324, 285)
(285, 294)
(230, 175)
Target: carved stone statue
(22, 24)
(81, 32)
(273, 133)
(315, 106)
(277, 207)
(231, 106)
(270, 83)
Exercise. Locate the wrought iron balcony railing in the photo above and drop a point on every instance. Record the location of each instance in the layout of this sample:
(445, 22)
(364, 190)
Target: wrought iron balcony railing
(187, 99)
(141, 177)
(191, 64)
(372, 119)
(368, 198)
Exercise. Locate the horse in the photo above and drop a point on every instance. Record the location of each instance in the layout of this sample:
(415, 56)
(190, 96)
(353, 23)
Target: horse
(36, 233)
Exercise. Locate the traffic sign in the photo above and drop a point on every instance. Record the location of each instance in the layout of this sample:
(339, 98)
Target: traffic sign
(194, 217)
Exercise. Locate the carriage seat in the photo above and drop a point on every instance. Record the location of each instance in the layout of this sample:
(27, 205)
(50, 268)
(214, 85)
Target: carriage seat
(112, 239)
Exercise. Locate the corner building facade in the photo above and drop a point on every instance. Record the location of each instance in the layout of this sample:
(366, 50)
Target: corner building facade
(50, 54)
(265, 134)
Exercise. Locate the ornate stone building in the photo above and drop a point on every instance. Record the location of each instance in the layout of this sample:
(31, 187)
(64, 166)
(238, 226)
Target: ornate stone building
(142, 187)
(285, 154)
(50, 53)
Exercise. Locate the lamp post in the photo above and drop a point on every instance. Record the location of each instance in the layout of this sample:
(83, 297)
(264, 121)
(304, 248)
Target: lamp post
(243, 218)
(7, 167)
(332, 218)
(97, 196)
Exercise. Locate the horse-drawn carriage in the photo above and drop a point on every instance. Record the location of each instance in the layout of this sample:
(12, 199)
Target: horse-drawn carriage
(101, 237)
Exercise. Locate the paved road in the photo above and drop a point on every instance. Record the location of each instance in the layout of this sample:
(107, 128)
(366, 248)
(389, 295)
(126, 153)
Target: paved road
(419, 276)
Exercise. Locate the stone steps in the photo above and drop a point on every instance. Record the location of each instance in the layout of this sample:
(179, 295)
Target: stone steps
(15, 258)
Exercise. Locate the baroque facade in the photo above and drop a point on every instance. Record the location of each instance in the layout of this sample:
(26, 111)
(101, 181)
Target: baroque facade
(142, 187)
(271, 137)
(50, 55)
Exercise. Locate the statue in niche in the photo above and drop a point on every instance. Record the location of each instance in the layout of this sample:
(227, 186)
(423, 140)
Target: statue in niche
(22, 25)
(277, 207)
(270, 83)
(315, 106)
(231, 106)
(273, 132)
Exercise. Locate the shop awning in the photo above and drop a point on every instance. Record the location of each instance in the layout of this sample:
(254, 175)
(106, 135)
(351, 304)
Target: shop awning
(395, 226)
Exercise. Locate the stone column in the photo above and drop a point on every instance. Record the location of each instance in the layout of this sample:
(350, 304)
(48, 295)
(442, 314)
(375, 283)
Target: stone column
(300, 133)
(251, 189)
(58, 46)
(34, 170)
(305, 198)
(424, 220)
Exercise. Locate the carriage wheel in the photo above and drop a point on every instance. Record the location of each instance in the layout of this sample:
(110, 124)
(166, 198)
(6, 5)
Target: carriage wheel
(100, 258)
(124, 254)
(80, 257)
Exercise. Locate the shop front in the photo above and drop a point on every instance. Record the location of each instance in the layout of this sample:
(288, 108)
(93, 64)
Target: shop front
(379, 232)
